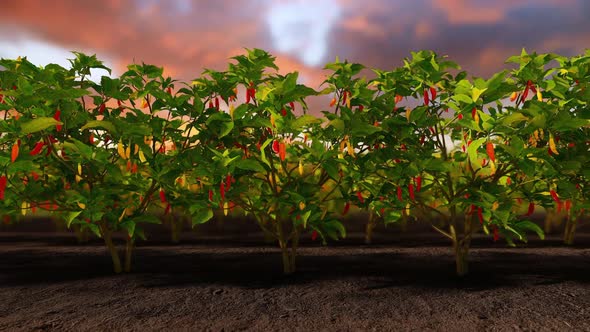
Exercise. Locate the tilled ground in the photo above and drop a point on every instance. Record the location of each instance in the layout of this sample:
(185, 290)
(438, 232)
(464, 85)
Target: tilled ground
(48, 282)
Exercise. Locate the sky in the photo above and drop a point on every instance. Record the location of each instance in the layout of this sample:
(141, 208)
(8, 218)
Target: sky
(186, 36)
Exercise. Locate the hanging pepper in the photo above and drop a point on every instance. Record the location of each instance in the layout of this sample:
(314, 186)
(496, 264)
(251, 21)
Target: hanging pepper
(210, 194)
(554, 196)
(217, 102)
(568, 205)
(513, 96)
(283, 112)
(411, 190)
(399, 194)
(433, 93)
(3, 182)
(333, 102)
(222, 190)
(418, 183)
(56, 116)
(398, 99)
(101, 109)
(360, 197)
(314, 235)
(490, 151)
(14, 152)
(162, 196)
(228, 181)
(292, 104)
(496, 234)
(275, 147)
(552, 146)
(346, 208)
(480, 215)
(282, 151)
(91, 138)
(426, 100)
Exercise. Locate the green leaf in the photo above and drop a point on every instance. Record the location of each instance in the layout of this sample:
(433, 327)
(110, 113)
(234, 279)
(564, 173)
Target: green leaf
(99, 124)
(129, 226)
(476, 93)
(38, 124)
(201, 216)
(149, 219)
(472, 152)
(70, 216)
(250, 165)
(526, 225)
(304, 120)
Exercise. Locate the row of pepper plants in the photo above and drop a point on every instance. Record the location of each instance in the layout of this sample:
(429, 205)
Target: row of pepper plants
(419, 142)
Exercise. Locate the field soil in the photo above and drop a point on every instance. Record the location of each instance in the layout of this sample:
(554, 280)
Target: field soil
(214, 281)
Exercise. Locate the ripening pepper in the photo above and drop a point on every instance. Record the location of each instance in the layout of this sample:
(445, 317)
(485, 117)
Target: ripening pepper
(14, 152)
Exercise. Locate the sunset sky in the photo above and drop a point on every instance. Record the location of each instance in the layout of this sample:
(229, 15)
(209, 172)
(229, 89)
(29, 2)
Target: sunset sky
(185, 36)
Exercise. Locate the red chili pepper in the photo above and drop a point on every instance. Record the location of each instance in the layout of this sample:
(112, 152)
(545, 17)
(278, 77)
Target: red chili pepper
(222, 190)
(210, 194)
(314, 235)
(422, 138)
(56, 116)
(169, 90)
(490, 151)
(418, 183)
(508, 181)
(403, 147)
(433, 93)
(3, 181)
(399, 194)
(496, 234)
(34, 175)
(559, 207)
(426, 101)
(228, 181)
(38, 147)
(555, 197)
(167, 210)
(531, 209)
(210, 104)
(134, 168)
(346, 208)
(275, 146)
(360, 197)
(162, 196)
(361, 108)
(432, 130)
(91, 138)
(525, 93)
(473, 112)
(217, 102)
(411, 190)
(460, 117)
(101, 109)
(292, 104)
(283, 112)
(344, 98)
(568, 205)
(480, 215)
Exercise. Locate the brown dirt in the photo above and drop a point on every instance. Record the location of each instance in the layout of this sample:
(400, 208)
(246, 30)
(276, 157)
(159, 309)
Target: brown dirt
(210, 283)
